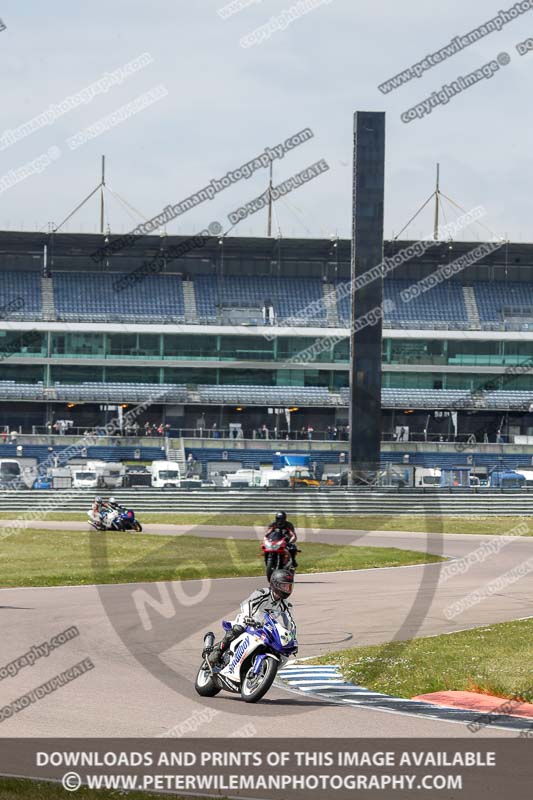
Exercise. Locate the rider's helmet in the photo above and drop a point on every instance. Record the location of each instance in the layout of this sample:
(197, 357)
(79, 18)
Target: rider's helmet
(98, 500)
(281, 584)
(112, 500)
(281, 518)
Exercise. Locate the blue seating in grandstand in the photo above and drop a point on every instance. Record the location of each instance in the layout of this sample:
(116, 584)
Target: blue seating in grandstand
(20, 295)
(442, 304)
(117, 453)
(96, 296)
(491, 298)
(290, 296)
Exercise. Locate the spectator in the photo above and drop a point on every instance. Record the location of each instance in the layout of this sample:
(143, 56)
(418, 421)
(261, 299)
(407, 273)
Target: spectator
(160, 429)
(13, 436)
(254, 434)
(265, 432)
(4, 436)
(310, 431)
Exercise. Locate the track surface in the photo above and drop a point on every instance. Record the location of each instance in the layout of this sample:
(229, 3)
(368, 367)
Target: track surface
(124, 697)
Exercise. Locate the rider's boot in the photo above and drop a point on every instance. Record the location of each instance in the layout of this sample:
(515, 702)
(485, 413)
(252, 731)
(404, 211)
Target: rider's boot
(216, 653)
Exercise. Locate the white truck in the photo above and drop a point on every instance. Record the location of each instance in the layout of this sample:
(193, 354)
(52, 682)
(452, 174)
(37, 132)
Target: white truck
(13, 474)
(84, 477)
(165, 474)
(242, 478)
(427, 476)
(111, 474)
(275, 479)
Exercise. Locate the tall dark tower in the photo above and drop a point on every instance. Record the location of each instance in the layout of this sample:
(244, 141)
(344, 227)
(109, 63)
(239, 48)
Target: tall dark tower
(367, 252)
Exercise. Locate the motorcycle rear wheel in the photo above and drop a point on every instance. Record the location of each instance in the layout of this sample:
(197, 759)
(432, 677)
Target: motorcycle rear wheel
(205, 684)
(254, 687)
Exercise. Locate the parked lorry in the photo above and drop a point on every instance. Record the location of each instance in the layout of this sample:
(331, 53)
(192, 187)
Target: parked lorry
(507, 479)
(242, 478)
(14, 474)
(165, 474)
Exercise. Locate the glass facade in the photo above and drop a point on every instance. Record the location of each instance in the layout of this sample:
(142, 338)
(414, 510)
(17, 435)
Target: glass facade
(169, 354)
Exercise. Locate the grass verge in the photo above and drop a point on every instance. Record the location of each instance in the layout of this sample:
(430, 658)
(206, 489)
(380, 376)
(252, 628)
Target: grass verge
(494, 660)
(52, 558)
(17, 789)
(485, 525)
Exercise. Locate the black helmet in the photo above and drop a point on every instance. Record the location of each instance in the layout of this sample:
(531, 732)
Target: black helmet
(281, 583)
(281, 517)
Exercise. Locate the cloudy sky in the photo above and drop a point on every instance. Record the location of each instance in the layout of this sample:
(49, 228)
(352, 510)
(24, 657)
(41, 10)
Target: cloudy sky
(224, 103)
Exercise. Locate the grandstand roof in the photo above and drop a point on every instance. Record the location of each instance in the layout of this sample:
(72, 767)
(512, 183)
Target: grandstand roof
(73, 251)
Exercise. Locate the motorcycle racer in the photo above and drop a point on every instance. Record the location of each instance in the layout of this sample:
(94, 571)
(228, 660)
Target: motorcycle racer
(271, 600)
(97, 508)
(287, 528)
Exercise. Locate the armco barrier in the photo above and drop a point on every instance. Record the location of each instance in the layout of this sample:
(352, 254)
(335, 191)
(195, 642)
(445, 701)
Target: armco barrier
(261, 501)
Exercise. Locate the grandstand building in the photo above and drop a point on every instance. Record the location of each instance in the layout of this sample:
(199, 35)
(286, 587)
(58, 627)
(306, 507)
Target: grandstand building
(212, 334)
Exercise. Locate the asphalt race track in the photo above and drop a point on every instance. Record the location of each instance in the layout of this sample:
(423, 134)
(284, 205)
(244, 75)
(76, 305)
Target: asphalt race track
(142, 681)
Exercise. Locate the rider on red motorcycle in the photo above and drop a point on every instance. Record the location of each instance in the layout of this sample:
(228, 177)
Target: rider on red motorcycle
(287, 528)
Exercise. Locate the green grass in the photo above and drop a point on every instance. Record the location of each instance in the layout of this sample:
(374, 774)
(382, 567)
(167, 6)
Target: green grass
(52, 558)
(494, 660)
(16, 789)
(400, 522)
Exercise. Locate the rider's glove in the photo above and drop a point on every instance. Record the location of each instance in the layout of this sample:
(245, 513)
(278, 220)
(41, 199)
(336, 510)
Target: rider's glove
(250, 621)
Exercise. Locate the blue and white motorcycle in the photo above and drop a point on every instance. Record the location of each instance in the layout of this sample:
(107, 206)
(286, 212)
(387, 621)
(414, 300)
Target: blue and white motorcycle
(252, 660)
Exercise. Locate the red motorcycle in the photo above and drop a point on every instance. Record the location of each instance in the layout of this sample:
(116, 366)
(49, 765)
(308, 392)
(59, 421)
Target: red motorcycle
(276, 552)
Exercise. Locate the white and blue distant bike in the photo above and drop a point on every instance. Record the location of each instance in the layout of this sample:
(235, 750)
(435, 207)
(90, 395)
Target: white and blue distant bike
(251, 662)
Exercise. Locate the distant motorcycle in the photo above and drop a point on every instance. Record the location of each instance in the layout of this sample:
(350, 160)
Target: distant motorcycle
(276, 552)
(115, 520)
(250, 664)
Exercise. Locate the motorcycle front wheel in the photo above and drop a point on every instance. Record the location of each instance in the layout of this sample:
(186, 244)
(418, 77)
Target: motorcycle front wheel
(205, 684)
(271, 565)
(137, 526)
(254, 687)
